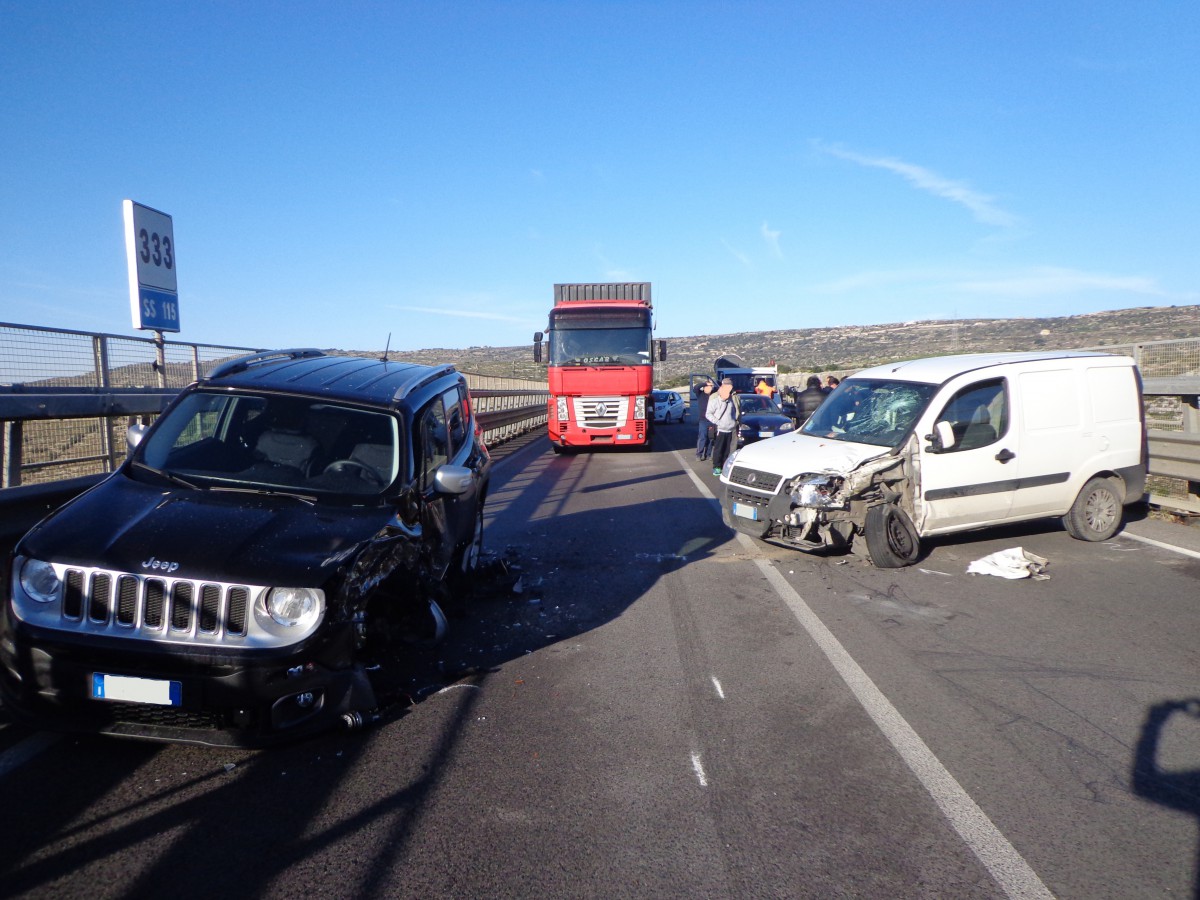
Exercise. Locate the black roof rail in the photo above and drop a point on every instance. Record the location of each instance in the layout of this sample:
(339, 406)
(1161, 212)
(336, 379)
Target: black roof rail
(422, 378)
(242, 363)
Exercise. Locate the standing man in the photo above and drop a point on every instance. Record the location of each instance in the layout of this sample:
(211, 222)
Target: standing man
(722, 412)
(809, 399)
(701, 394)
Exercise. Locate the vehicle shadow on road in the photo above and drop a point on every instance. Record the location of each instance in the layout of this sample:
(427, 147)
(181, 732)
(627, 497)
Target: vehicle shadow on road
(1154, 779)
(338, 814)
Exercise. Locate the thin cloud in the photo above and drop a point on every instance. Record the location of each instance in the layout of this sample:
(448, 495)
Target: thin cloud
(1049, 281)
(981, 206)
(461, 313)
(1039, 281)
(772, 239)
(737, 254)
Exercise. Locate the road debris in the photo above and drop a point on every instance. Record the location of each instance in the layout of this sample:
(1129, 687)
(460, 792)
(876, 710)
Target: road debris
(1013, 563)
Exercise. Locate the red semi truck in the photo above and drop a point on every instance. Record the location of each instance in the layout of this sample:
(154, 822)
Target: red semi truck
(600, 365)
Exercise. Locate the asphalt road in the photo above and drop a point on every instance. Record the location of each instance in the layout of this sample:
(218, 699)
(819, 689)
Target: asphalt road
(642, 703)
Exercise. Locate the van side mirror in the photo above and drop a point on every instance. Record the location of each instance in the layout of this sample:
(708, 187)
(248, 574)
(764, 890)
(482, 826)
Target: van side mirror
(942, 438)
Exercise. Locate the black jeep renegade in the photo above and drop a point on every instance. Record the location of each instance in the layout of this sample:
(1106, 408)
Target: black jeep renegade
(269, 539)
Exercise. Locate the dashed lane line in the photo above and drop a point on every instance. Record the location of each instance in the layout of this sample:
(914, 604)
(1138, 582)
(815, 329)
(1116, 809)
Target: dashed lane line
(1009, 869)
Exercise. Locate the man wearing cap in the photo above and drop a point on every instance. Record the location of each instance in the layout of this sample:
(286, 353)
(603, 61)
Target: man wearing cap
(722, 412)
(701, 394)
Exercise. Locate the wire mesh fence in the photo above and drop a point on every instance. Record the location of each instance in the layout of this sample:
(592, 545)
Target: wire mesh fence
(43, 449)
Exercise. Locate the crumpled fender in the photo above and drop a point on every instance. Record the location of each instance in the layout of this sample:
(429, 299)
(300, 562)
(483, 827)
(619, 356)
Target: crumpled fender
(396, 546)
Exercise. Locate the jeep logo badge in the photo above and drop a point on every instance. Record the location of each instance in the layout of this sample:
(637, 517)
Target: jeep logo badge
(162, 565)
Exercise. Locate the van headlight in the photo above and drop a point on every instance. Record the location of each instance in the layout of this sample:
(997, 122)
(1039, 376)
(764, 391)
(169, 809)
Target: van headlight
(298, 608)
(816, 492)
(39, 581)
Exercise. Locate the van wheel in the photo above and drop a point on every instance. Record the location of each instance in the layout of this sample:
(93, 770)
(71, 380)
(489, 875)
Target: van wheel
(1096, 513)
(892, 540)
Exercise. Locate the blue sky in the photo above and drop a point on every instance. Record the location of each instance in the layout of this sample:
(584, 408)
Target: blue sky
(340, 171)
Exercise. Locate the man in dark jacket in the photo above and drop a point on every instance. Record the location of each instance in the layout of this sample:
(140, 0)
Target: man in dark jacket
(704, 439)
(809, 399)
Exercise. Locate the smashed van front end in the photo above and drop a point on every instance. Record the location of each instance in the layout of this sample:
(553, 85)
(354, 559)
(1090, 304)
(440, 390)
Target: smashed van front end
(814, 489)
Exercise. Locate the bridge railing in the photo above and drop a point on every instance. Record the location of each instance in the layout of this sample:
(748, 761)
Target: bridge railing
(67, 398)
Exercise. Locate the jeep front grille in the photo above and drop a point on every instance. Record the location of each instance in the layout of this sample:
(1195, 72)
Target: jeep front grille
(158, 608)
(601, 412)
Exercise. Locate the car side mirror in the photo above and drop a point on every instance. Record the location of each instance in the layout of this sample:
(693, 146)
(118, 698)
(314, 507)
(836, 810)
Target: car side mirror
(942, 438)
(133, 436)
(453, 479)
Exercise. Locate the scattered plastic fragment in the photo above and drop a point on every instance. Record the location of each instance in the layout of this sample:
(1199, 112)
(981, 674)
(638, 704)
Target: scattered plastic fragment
(229, 767)
(1013, 563)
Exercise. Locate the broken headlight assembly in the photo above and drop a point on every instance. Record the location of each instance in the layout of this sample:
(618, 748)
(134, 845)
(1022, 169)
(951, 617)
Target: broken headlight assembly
(816, 491)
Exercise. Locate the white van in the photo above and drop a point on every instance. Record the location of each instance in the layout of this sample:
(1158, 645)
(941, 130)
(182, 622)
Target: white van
(932, 446)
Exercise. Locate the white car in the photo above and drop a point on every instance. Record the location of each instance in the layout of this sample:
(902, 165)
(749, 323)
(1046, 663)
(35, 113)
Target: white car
(668, 407)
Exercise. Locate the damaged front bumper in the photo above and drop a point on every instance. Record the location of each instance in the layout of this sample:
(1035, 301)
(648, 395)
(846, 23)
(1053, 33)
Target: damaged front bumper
(812, 510)
(214, 698)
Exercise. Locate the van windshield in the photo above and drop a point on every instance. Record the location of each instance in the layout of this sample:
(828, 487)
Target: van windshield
(251, 441)
(870, 411)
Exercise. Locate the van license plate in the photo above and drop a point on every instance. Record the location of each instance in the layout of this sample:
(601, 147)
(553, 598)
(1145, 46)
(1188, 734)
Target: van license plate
(136, 690)
(745, 511)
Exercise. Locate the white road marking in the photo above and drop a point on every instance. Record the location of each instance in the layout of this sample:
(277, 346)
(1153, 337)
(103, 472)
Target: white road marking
(1164, 546)
(717, 685)
(698, 768)
(1010, 870)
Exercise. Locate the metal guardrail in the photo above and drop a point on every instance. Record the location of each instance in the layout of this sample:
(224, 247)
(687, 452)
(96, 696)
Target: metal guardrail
(67, 397)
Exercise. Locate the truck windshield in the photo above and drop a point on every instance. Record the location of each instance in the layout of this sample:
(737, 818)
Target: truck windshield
(571, 346)
(246, 441)
(870, 411)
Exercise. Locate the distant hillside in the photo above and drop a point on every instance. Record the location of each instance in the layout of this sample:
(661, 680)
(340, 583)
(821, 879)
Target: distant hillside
(855, 347)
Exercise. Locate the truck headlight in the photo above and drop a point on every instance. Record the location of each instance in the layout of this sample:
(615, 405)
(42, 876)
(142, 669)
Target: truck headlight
(639, 408)
(562, 409)
(295, 607)
(40, 581)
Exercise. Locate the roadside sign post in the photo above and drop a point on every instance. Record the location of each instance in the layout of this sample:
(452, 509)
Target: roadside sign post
(153, 287)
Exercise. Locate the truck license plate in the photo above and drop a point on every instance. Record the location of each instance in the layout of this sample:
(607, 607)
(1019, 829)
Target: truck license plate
(745, 511)
(136, 690)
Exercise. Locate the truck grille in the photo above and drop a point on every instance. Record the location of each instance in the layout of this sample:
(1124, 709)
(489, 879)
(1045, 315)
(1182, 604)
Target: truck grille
(601, 412)
(754, 479)
(156, 608)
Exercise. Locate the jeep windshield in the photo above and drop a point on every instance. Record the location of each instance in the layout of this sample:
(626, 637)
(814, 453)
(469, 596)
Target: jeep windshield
(298, 446)
(870, 411)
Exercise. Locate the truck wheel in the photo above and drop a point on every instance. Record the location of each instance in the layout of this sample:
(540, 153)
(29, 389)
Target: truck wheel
(1096, 513)
(892, 540)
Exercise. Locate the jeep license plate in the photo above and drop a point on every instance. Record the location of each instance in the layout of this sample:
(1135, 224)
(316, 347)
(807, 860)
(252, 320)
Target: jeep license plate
(745, 511)
(136, 690)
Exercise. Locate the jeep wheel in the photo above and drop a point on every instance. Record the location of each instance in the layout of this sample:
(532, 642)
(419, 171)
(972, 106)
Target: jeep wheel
(892, 540)
(1096, 513)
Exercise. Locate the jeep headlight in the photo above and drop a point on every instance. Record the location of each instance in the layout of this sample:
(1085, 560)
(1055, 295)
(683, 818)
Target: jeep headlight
(817, 492)
(40, 581)
(298, 608)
